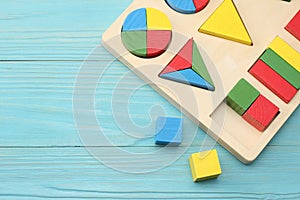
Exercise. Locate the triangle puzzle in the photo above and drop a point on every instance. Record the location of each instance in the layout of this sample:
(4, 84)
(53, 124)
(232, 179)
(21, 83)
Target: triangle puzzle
(189, 68)
(226, 23)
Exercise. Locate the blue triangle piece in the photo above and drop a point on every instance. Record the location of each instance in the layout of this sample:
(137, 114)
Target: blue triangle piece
(182, 6)
(190, 77)
(136, 21)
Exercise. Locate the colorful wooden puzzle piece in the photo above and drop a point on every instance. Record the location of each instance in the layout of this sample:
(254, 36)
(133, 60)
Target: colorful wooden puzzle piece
(261, 113)
(294, 26)
(242, 96)
(189, 68)
(205, 165)
(272, 80)
(157, 42)
(135, 42)
(282, 67)
(183, 59)
(199, 66)
(226, 23)
(168, 131)
(288, 53)
(146, 32)
(156, 20)
(187, 6)
(200, 4)
(136, 21)
(189, 77)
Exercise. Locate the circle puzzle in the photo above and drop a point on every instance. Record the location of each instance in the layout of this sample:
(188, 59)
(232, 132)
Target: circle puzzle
(146, 32)
(187, 6)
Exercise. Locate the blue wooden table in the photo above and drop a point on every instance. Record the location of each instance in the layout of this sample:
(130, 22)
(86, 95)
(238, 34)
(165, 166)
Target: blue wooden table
(42, 47)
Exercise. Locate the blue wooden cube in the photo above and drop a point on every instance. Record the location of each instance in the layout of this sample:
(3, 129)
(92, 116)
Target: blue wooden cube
(168, 131)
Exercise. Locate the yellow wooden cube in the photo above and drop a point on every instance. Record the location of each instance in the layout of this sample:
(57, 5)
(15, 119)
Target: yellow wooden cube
(205, 165)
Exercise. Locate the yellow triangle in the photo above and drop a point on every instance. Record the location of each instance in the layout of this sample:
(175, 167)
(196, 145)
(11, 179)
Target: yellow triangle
(226, 23)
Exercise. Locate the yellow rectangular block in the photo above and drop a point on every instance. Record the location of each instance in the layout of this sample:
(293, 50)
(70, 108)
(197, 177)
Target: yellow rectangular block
(205, 165)
(288, 53)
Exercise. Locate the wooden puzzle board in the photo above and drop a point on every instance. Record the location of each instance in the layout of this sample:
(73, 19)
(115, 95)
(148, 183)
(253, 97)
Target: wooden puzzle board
(231, 61)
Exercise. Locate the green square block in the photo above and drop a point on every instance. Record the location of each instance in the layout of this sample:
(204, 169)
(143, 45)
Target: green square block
(283, 68)
(135, 42)
(241, 97)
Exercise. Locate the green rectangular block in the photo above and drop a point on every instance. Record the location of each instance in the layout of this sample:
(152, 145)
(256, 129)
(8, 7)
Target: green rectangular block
(283, 68)
(242, 96)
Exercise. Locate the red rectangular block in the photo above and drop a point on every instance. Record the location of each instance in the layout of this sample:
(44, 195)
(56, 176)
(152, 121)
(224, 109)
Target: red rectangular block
(294, 26)
(272, 80)
(261, 113)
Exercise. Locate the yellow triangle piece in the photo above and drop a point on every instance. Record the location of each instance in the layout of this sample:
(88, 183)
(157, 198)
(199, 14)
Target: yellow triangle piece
(226, 23)
(156, 20)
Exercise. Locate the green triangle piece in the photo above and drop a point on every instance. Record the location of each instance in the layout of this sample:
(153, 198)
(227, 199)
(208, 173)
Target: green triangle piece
(199, 66)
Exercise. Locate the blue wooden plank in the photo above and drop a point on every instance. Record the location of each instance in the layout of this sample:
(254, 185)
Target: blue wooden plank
(56, 30)
(59, 15)
(72, 172)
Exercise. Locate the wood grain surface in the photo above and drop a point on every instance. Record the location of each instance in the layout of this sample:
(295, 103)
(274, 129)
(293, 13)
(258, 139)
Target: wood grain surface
(42, 47)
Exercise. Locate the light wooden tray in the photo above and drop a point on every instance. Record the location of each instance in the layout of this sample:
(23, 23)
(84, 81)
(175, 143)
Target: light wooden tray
(227, 63)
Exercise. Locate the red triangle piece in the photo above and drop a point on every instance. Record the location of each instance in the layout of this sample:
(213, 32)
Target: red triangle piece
(183, 60)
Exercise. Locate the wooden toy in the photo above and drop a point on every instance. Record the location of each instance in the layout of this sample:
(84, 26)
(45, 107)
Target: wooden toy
(200, 4)
(251, 105)
(183, 59)
(283, 89)
(156, 20)
(288, 53)
(294, 26)
(282, 67)
(136, 21)
(261, 113)
(242, 96)
(182, 6)
(168, 131)
(188, 67)
(226, 61)
(226, 23)
(146, 32)
(187, 6)
(135, 42)
(205, 165)
(157, 42)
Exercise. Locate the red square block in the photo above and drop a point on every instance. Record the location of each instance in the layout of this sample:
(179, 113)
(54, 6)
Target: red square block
(294, 26)
(272, 80)
(261, 113)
